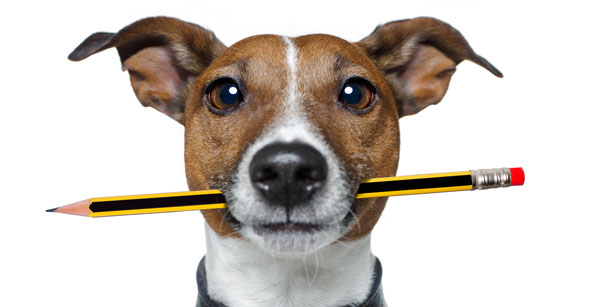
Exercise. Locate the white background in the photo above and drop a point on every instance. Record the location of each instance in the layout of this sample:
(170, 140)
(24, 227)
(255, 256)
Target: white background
(71, 131)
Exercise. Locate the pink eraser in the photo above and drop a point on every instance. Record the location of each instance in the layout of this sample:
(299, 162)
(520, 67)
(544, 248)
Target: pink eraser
(517, 176)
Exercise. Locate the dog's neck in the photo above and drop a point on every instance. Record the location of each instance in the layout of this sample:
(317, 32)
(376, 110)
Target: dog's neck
(238, 273)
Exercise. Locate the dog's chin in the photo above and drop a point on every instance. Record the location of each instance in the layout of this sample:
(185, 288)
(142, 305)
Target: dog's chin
(291, 239)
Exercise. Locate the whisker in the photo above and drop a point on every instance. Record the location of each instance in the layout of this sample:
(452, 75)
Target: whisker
(316, 266)
(306, 271)
(222, 221)
(342, 243)
(336, 240)
(354, 217)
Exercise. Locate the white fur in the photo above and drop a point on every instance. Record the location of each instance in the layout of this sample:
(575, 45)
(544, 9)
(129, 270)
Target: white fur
(241, 274)
(292, 103)
(288, 268)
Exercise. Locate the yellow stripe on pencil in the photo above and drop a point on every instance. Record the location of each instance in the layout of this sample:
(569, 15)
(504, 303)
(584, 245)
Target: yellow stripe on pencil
(375, 187)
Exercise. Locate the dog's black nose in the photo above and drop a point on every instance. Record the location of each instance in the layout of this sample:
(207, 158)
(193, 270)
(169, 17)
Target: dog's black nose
(288, 174)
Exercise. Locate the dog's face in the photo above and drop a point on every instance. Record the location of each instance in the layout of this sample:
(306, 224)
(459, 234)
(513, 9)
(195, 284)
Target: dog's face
(289, 173)
(287, 128)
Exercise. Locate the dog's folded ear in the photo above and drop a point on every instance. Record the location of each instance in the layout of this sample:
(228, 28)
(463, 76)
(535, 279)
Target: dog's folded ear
(418, 57)
(162, 55)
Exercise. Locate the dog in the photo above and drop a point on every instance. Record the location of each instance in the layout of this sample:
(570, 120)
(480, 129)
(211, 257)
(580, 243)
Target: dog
(287, 128)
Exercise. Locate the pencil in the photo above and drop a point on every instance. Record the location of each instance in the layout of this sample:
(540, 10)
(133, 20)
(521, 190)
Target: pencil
(375, 187)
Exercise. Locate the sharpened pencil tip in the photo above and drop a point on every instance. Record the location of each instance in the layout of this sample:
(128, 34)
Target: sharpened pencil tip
(52, 210)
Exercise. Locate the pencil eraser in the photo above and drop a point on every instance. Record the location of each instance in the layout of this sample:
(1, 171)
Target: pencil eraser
(517, 176)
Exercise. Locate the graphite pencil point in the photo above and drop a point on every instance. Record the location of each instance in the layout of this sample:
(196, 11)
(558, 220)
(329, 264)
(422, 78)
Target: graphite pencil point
(78, 208)
(52, 210)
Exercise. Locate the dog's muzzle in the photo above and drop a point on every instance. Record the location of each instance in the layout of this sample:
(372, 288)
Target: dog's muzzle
(290, 197)
(288, 174)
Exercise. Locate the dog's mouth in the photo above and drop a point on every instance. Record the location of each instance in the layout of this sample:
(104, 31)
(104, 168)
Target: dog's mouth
(287, 227)
(291, 237)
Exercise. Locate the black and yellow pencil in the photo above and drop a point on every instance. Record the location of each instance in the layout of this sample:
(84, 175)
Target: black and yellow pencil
(375, 187)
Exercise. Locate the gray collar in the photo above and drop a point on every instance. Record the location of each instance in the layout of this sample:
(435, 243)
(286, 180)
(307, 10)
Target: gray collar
(374, 299)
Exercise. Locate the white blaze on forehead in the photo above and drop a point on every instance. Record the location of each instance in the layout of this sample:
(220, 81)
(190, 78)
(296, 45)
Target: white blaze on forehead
(292, 101)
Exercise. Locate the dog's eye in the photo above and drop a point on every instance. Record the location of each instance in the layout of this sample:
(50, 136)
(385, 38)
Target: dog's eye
(225, 95)
(356, 95)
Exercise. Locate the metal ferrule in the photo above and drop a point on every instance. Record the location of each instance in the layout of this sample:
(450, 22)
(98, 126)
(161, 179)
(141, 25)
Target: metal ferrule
(490, 178)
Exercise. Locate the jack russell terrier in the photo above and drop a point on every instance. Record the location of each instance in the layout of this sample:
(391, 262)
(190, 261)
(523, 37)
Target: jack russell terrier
(287, 128)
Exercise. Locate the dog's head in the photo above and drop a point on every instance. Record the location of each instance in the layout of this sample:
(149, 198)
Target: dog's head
(286, 127)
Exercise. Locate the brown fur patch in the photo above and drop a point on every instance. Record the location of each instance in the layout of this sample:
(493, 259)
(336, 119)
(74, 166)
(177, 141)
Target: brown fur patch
(215, 143)
(367, 144)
